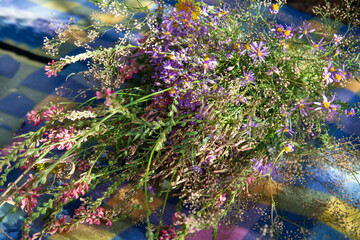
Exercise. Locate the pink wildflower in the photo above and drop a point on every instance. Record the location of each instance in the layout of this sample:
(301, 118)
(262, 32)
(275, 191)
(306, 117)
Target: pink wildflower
(34, 117)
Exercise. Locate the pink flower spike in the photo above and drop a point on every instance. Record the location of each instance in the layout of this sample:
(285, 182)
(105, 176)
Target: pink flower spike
(98, 95)
(109, 92)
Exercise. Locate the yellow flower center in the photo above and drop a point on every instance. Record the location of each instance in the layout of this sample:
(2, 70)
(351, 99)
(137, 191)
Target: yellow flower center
(171, 57)
(275, 7)
(259, 53)
(305, 32)
(350, 113)
(246, 78)
(338, 77)
(236, 46)
(247, 47)
(206, 59)
(326, 105)
(287, 149)
(279, 30)
(167, 33)
(287, 32)
(285, 130)
(171, 18)
(190, 45)
(309, 130)
(301, 106)
(345, 73)
(316, 46)
(172, 90)
(332, 69)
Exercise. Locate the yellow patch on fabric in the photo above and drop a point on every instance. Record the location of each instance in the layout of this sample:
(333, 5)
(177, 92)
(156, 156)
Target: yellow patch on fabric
(147, 3)
(137, 199)
(64, 6)
(85, 232)
(110, 19)
(342, 217)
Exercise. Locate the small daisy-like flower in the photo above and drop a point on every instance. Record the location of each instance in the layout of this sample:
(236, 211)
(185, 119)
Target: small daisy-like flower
(326, 105)
(289, 148)
(249, 77)
(288, 32)
(309, 130)
(257, 52)
(285, 129)
(337, 39)
(274, 8)
(317, 45)
(350, 112)
(302, 106)
(279, 30)
(305, 30)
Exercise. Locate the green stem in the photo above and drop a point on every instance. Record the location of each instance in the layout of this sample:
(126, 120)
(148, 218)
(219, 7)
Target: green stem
(149, 233)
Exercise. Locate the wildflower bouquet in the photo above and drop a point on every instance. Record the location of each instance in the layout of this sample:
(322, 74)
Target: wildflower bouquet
(218, 105)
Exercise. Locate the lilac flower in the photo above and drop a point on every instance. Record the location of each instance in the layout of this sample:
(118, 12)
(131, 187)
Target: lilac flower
(274, 8)
(248, 78)
(303, 106)
(289, 148)
(257, 52)
(326, 105)
(309, 130)
(285, 129)
(305, 30)
(317, 45)
(284, 46)
(349, 113)
(337, 39)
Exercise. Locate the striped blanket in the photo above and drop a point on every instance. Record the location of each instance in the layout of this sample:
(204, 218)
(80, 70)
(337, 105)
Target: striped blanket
(24, 85)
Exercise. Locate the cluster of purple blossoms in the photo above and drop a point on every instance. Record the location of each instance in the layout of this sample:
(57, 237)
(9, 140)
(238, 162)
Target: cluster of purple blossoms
(350, 112)
(331, 74)
(286, 32)
(175, 70)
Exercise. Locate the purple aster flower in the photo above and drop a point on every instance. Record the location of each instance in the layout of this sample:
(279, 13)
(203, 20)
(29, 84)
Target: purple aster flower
(337, 39)
(303, 106)
(288, 32)
(249, 77)
(349, 113)
(274, 8)
(289, 148)
(317, 45)
(344, 72)
(257, 52)
(305, 30)
(279, 30)
(326, 105)
(285, 129)
(284, 113)
(309, 130)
